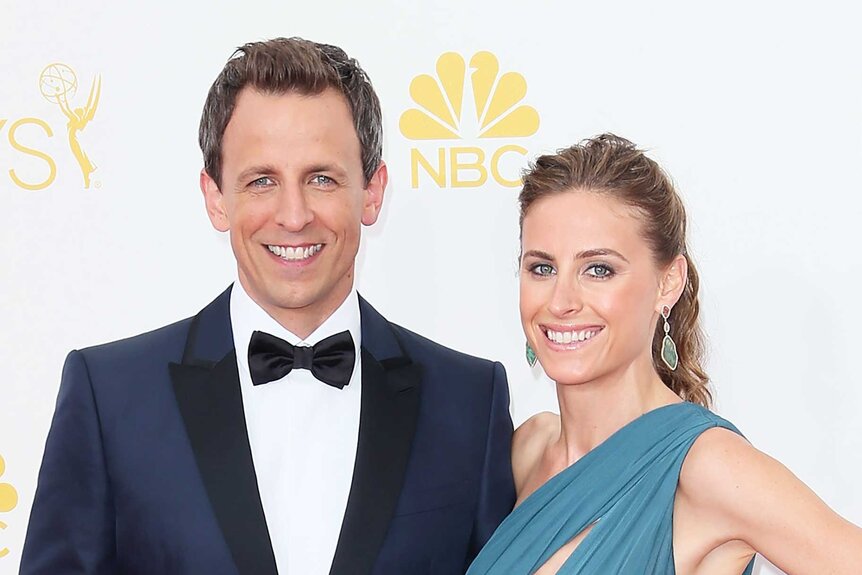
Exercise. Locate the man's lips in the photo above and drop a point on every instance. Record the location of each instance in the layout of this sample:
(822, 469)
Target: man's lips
(295, 253)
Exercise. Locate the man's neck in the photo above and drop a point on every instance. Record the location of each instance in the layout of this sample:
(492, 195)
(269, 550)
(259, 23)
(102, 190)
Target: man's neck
(299, 322)
(302, 321)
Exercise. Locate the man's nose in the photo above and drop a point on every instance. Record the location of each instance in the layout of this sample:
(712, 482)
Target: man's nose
(293, 211)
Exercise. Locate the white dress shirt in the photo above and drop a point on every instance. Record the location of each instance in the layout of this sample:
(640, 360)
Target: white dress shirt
(303, 435)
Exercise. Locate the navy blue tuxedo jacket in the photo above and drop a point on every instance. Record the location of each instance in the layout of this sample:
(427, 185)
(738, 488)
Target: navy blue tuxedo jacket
(147, 468)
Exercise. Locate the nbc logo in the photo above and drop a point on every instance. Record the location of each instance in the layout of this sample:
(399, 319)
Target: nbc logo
(488, 107)
(8, 501)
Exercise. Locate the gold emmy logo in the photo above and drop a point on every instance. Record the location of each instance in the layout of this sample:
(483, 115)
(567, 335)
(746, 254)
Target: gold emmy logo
(8, 501)
(498, 113)
(58, 83)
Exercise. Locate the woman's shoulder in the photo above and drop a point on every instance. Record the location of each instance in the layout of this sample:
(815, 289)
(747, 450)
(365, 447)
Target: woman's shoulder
(539, 428)
(529, 443)
(716, 451)
(719, 465)
(748, 496)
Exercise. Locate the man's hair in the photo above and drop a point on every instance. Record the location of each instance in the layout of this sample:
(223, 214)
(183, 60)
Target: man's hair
(285, 65)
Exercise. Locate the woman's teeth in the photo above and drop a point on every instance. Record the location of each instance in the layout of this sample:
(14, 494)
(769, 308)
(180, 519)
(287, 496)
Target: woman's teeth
(571, 336)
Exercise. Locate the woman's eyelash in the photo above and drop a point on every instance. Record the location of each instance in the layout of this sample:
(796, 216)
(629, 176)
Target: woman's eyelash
(606, 270)
(595, 270)
(541, 269)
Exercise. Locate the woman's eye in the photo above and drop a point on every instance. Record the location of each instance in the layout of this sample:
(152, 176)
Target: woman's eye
(600, 271)
(542, 269)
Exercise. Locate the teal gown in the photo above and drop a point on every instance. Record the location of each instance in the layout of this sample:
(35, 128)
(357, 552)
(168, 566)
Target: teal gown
(625, 486)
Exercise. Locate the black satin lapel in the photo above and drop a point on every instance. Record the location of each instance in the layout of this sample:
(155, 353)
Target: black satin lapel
(387, 422)
(210, 402)
(210, 334)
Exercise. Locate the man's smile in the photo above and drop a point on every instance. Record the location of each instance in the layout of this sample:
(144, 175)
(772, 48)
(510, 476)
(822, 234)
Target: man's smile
(295, 253)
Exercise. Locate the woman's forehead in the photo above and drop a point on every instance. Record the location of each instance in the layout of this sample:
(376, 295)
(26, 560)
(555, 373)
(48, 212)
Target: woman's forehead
(579, 214)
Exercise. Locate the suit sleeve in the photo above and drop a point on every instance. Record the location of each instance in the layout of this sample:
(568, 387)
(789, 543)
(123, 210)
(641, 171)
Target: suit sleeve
(71, 529)
(497, 488)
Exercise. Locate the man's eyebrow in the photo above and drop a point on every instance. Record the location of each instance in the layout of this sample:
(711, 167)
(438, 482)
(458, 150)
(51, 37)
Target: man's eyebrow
(326, 168)
(270, 169)
(258, 170)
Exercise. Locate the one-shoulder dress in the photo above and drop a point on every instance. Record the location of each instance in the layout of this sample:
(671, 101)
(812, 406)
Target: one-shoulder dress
(624, 488)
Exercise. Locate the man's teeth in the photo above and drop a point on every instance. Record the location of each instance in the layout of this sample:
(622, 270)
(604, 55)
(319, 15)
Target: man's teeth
(295, 254)
(571, 336)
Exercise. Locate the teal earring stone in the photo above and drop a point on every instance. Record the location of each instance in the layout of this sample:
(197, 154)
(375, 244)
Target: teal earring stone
(669, 355)
(531, 355)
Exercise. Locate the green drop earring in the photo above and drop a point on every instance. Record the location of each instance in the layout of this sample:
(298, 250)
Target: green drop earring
(668, 348)
(531, 355)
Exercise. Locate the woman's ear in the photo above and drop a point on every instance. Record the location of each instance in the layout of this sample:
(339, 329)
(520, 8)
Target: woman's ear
(672, 283)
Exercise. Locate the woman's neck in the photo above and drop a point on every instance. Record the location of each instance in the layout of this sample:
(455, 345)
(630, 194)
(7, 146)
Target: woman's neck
(591, 412)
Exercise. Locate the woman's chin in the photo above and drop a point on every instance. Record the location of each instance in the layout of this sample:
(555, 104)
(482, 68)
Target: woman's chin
(570, 377)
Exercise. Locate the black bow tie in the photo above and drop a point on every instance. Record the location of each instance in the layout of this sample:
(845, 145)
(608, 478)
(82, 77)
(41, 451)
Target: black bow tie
(330, 360)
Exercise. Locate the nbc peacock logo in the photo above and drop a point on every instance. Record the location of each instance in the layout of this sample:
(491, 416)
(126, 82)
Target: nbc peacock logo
(479, 104)
(8, 501)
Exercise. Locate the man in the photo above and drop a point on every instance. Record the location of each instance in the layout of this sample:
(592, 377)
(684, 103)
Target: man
(287, 427)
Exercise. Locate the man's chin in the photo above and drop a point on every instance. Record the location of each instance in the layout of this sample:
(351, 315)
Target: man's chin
(298, 300)
(301, 297)
(293, 302)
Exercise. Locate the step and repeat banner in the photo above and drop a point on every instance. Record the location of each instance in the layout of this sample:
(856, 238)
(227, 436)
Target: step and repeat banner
(754, 109)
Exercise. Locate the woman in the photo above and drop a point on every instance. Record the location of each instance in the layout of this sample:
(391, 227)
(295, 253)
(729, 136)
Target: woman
(635, 475)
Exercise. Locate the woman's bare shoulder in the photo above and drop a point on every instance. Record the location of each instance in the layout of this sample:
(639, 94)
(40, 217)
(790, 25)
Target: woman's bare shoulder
(716, 463)
(760, 502)
(529, 443)
(728, 479)
(538, 428)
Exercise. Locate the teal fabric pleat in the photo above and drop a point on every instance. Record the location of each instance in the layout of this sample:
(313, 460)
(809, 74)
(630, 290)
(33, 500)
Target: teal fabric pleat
(625, 486)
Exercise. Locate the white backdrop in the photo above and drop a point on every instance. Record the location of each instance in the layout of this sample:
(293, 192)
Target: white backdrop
(754, 109)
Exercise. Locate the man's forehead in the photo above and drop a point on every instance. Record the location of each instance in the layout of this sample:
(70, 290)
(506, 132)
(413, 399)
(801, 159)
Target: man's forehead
(284, 115)
(291, 130)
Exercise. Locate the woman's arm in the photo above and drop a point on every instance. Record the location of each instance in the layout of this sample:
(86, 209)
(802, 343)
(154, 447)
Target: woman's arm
(754, 498)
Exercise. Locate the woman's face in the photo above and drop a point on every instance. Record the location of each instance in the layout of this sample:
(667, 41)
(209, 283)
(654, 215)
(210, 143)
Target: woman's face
(590, 290)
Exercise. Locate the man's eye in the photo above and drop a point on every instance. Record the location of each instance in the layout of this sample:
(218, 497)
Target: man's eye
(321, 180)
(262, 182)
(542, 269)
(600, 271)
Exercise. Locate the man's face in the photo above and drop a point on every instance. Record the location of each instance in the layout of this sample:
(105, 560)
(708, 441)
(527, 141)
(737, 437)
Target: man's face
(293, 197)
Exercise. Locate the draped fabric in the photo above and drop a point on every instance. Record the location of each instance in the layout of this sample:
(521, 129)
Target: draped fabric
(624, 487)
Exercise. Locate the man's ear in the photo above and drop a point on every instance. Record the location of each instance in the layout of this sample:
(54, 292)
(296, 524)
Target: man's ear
(672, 283)
(214, 200)
(373, 195)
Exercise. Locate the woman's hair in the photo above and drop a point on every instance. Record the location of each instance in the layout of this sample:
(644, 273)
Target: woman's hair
(608, 164)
